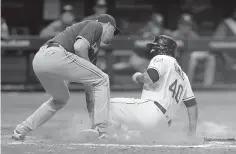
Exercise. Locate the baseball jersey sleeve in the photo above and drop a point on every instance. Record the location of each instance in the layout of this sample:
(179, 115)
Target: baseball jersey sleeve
(157, 63)
(91, 33)
(189, 92)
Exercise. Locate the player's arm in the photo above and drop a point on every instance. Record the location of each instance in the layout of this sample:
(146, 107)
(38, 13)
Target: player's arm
(152, 75)
(89, 93)
(192, 110)
(81, 48)
(87, 37)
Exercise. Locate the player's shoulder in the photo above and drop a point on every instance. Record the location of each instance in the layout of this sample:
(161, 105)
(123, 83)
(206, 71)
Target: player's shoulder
(89, 25)
(94, 24)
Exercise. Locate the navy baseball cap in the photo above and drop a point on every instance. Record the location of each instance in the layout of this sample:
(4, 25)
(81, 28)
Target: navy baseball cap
(106, 18)
(163, 41)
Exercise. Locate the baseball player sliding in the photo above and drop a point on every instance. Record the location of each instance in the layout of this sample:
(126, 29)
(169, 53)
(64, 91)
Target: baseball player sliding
(165, 87)
(71, 56)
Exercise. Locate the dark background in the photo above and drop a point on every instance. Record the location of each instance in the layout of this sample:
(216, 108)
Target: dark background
(29, 13)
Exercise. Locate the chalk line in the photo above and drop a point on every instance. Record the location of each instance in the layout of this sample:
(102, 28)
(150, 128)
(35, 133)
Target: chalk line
(89, 145)
(213, 145)
(92, 145)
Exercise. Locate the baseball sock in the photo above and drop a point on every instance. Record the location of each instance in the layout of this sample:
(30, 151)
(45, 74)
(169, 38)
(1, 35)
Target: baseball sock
(38, 118)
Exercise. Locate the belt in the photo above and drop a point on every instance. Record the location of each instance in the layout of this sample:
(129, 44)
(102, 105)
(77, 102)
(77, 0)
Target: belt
(163, 110)
(53, 44)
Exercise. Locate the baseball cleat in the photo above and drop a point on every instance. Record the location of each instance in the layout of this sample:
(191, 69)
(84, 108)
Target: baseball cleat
(93, 134)
(89, 134)
(16, 135)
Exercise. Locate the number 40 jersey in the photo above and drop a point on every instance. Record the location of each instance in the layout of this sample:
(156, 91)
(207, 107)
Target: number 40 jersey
(173, 86)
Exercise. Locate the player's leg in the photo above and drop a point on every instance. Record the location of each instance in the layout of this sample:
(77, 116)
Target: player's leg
(135, 113)
(55, 87)
(81, 71)
(59, 97)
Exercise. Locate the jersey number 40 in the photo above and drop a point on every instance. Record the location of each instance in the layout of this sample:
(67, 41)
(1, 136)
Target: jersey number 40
(177, 90)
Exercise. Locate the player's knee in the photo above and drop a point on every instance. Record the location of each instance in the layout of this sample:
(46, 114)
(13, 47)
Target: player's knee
(106, 77)
(59, 103)
(104, 80)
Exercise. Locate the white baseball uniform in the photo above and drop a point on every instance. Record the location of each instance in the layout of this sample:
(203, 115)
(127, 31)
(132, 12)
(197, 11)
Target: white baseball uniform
(158, 101)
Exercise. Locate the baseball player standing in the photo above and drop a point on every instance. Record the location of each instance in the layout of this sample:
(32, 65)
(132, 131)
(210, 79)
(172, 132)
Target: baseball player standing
(71, 56)
(165, 87)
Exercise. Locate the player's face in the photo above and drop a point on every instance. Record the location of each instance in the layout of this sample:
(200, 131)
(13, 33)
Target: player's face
(108, 33)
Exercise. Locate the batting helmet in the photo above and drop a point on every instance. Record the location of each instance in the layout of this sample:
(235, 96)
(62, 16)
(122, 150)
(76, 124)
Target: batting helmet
(162, 45)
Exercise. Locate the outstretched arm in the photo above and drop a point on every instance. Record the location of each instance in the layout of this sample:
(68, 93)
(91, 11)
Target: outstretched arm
(154, 72)
(150, 76)
(89, 93)
(192, 110)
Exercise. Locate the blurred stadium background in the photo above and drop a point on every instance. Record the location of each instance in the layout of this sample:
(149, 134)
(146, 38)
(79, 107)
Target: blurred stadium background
(205, 31)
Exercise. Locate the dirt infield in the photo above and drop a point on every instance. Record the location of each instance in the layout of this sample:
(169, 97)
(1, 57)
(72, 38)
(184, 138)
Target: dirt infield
(60, 134)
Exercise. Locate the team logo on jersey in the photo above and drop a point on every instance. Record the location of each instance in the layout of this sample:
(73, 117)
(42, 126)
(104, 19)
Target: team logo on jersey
(95, 47)
(158, 60)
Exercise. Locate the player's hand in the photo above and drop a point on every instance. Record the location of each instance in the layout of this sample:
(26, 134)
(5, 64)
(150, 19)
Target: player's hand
(134, 77)
(94, 61)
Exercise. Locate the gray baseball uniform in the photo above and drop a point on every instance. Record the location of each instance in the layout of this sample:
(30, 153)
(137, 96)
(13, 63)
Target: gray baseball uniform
(56, 62)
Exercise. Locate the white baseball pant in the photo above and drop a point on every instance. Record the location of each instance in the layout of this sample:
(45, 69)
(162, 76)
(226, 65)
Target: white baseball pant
(135, 113)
